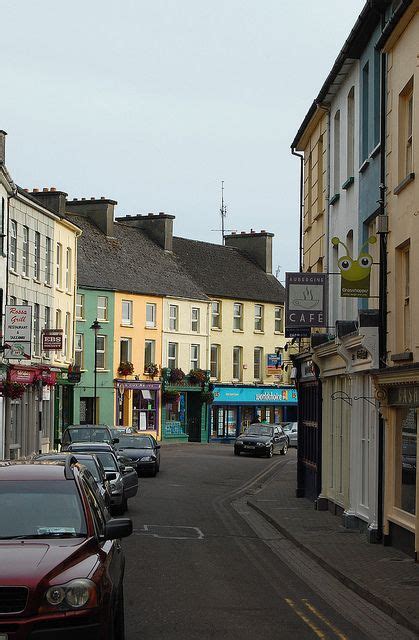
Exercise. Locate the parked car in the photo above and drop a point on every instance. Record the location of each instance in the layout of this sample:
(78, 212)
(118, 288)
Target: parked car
(61, 562)
(87, 433)
(91, 462)
(123, 479)
(262, 439)
(291, 430)
(142, 450)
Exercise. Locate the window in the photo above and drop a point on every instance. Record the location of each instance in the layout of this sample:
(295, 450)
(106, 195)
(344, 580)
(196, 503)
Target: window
(101, 352)
(68, 269)
(58, 325)
(80, 306)
(195, 319)
(150, 315)
(257, 363)
(406, 131)
(66, 336)
(13, 245)
(216, 315)
(279, 320)
(173, 317)
(36, 331)
(47, 318)
(58, 274)
(127, 312)
(36, 256)
(12, 300)
(149, 353)
(172, 355)
(258, 317)
(25, 252)
(377, 96)
(215, 361)
(3, 212)
(320, 177)
(365, 112)
(238, 316)
(350, 132)
(125, 350)
(78, 350)
(48, 245)
(309, 191)
(336, 153)
(194, 356)
(406, 448)
(237, 363)
(102, 308)
(406, 296)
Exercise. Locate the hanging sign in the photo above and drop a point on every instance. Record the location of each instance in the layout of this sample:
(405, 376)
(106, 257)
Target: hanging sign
(273, 363)
(52, 339)
(355, 273)
(305, 303)
(17, 332)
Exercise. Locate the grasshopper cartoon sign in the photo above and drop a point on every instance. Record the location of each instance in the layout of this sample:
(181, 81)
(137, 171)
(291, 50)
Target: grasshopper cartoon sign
(355, 273)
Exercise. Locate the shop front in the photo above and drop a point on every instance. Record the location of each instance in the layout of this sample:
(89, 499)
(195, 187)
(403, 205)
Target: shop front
(235, 407)
(138, 405)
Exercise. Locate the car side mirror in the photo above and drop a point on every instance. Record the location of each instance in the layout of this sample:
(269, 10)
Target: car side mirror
(127, 469)
(110, 475)
(117, 528)
(115, 440)
(158, 446)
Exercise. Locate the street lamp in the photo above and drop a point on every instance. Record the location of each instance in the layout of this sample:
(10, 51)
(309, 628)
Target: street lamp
(96, 327)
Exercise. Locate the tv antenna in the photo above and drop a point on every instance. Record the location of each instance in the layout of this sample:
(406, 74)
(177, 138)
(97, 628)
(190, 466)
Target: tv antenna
(223, 213)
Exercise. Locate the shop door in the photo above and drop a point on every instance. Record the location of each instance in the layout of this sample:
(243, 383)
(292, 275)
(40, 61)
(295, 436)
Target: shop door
(194, 417)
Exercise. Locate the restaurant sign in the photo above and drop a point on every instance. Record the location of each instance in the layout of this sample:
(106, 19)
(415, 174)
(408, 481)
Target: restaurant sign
(305, 303)
(17, 332)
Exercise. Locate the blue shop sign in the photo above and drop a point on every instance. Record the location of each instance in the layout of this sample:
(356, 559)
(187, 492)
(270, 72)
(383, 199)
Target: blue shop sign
(255, 395)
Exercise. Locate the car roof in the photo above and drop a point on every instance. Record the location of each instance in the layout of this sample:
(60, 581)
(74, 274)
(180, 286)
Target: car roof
(32, 470)
(90, 446)
(62, 455)
(88, 426)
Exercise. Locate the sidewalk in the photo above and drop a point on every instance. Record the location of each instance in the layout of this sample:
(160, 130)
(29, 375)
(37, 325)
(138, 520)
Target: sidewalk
(387, 578)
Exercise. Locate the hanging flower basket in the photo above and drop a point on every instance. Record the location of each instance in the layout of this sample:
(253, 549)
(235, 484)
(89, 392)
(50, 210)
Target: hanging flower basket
(171, 396)
(125, 369)
(176, 376)
(197, 376)
(13, 390)
(151, 370)
(207, 397)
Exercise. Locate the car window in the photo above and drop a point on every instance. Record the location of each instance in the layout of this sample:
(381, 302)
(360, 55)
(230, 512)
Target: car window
(135, 442)
(90, 464)
(258, 430)
(108, 461)
(41, 509)
(94, 504)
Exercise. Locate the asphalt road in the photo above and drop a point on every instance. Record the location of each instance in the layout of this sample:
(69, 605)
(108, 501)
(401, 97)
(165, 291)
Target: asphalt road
(201, 566)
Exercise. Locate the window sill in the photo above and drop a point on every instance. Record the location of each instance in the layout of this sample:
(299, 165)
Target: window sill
(375, 151)
(127, 326)
(102, 320)
(103, 370)
(277, 333)
(59, 289)
(152, 327)
(37, 281)
(334, 199)
(348, 183)
(216, 329)
(364, 166)
(13, 272)
(80, 319)
(48, 284)
(24, 277)
(259, 331)
(403, 184)
(238, 331)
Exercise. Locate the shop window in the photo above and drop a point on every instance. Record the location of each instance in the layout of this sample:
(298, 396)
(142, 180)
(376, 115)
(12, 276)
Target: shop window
(13, 245)
(101, 352)
(215, 361)
(172, 355)
(257, 363)
(237, 363)
(224, 422)
(48, 258)
(195, 319)
(194, 356)
(36, 256)
(149, 353)
(127, 312)
(279, 320)
(78, 350)
(173, 317)
(406, 447)
(150, 315)
(216, 314)
(176, 412)
(125, 350)
(102, 308)
(258, 317)
(144, 409)
(238, 316)
(25, 252)
(80, 306)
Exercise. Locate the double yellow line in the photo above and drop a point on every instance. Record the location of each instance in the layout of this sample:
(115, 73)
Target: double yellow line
(309, 614)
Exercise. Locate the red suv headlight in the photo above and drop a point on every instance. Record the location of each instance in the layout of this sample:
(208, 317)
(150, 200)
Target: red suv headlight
(76, 594)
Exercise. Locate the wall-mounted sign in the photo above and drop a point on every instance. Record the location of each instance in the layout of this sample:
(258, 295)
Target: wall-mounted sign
(404, 396)
(273, 363)
(17, 332)
(305, 303)
(355, 273)
(52, 339)
(255, 395)
(23, 375)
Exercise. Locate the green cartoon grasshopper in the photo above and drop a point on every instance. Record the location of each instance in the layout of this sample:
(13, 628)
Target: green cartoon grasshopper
(355, 274)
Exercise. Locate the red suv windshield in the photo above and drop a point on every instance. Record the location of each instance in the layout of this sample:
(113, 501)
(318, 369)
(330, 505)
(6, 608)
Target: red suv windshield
(41, 509)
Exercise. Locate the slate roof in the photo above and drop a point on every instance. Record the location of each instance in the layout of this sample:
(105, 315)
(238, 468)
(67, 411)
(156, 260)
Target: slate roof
(131, 262)
(225, 272)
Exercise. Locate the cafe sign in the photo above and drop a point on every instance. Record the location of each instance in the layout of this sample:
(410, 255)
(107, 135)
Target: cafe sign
(305, 303)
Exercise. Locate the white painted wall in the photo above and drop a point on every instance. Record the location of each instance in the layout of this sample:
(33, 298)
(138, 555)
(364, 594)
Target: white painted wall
(184, 337)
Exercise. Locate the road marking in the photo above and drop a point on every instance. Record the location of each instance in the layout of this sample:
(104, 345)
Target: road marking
(191, 533)
(321, 617)
(319, 633)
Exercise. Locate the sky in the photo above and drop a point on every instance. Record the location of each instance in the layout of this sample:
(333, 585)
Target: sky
(153, 103)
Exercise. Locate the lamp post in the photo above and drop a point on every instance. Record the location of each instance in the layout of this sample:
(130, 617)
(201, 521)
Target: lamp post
(96, 327)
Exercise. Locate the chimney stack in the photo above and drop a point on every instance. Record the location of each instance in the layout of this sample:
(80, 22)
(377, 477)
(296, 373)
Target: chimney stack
(256, 246)
(158, 226)
(51, 199)
(99, 210)
(3, 135)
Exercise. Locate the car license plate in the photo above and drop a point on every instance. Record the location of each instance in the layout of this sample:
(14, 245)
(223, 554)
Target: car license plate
(246, 446)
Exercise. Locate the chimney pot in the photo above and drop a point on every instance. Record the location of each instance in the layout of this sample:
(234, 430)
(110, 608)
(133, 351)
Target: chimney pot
(74, 199)
(3, 135)
(161, 213)
(102, 198)
(150, 214)
(35, 190)
(53, 189)
(263, 230)
(83, 198)
(243, 233)
(45, 189)
(252, 230)
(27, 190)
(92, 198)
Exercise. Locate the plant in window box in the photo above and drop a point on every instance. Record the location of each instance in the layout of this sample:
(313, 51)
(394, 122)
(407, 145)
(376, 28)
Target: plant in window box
(171, 396)
(125, 369)
(176, 376)
(151, 370)
(207, 397)
(13, 390)
(197, 376)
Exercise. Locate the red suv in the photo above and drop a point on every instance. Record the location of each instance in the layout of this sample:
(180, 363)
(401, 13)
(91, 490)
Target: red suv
(61, 562)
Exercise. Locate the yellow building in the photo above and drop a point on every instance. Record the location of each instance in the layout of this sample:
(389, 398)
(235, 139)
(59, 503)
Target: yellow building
(398, 384)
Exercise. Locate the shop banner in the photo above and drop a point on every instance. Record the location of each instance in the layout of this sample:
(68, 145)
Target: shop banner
(355, 273)
(255, 395)
(305, 303)
(23, 375)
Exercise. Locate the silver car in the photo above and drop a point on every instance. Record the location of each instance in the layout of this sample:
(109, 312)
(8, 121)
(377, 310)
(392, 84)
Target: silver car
(291, 430)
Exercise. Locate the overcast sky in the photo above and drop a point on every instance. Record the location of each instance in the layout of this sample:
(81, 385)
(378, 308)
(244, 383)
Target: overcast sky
(153, 103)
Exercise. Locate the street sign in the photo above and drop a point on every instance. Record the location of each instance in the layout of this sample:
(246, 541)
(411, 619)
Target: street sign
(305, 303)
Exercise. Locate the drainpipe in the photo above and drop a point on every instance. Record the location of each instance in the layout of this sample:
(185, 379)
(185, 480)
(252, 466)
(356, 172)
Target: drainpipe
(300, 248)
